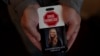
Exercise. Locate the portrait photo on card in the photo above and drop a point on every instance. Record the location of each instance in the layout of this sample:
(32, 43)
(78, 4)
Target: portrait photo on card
(54, 37)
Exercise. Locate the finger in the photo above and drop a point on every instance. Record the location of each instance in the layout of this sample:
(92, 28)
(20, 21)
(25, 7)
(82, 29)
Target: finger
(33, 40)
(71, 29)
(73, 37)
(30, 26)
(34, 33)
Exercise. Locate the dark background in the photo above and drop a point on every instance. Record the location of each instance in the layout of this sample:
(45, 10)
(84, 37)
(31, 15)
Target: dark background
(86, 44)
(11, 43)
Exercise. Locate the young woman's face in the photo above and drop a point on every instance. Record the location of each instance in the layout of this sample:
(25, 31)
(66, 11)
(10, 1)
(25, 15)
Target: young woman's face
(53, 33)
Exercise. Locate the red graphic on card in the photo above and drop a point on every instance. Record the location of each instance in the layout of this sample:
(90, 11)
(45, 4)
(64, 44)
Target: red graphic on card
(51, 18)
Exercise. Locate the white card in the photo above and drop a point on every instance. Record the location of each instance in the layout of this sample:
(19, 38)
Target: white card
(50, 18)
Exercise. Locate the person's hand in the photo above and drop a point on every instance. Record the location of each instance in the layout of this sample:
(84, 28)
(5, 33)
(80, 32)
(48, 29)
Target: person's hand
(73, 20)
(29, 22)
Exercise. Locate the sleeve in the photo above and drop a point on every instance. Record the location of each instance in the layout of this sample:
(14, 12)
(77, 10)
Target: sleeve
(20, 5)
(76, 4)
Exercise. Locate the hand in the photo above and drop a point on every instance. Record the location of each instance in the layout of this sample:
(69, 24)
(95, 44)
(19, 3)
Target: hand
(29, 22)
(72, 19)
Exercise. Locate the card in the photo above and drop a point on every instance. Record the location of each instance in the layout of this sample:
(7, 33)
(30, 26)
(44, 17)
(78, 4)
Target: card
(52, 29)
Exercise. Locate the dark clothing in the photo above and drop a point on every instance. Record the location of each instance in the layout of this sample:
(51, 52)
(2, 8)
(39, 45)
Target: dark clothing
(57, 45)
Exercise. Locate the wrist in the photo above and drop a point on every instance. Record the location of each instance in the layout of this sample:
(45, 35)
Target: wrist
(31, 9)
(76, 5)
(33, 6)
(68, 8)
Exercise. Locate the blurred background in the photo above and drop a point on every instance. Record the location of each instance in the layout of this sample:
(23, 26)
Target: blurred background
(86, 44)
(89, 8)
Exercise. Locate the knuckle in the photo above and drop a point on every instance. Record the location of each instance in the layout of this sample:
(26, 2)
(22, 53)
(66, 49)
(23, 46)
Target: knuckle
(24, 23)
(76, 23)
